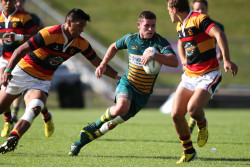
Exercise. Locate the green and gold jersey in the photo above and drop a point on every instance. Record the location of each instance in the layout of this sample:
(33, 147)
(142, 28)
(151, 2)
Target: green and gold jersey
(135, 45)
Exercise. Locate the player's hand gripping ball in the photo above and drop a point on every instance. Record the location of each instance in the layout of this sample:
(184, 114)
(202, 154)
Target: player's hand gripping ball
(153, 66)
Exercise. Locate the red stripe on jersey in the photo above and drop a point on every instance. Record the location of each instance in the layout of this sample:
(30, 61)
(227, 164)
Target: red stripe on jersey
(48, 51)
(88, 55)
(210, 64)
(32, 28)
(209, 27)
(33, 43)
(193, 14)
(198, 38)
(37, 67)
(7, 55)
(55, 29)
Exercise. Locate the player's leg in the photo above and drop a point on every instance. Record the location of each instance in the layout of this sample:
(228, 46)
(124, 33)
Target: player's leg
(5, 102)
(48, 122)
(92, 131)
(206, 86)
(15, 109)
(195, 109)
(178, 113)
(191, 124)
(34, 100)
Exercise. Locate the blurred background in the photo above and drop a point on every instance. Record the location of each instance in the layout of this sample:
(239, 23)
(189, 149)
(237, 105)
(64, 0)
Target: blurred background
(74, 84)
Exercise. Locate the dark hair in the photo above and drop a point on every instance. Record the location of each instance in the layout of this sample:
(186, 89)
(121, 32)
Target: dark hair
(202, 1)
(180, 5)
(77, 14)
(146, 15)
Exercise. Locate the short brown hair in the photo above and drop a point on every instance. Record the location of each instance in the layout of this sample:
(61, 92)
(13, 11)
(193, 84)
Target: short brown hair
(202, 1)
(146, 15)
(180, 5)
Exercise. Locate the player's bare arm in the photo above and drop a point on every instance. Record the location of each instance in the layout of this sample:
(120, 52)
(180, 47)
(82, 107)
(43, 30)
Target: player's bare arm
(182, 54)
(112, 50)
(15, 58)
(223, 44)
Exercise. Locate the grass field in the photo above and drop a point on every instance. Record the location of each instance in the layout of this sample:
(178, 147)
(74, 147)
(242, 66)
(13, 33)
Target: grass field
(147, 140)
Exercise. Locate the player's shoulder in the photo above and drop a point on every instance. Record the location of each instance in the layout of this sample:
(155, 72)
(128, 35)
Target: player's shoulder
(53, 29)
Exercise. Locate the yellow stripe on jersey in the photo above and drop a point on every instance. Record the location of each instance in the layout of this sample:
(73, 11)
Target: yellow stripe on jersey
(30, 70)
(206, 45)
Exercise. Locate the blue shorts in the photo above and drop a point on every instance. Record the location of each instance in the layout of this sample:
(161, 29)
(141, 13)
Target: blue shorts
(138, 100)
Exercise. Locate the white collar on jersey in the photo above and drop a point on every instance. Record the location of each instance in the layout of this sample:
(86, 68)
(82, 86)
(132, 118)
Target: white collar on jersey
(66, 43)
(184, 22)
(7, 19)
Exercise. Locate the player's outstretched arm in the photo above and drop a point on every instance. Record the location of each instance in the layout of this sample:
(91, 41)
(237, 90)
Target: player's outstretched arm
(223, 44)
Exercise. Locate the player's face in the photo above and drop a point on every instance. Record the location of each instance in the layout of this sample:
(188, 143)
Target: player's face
(200, 7)
(77, 27)
(19, 4)
(147, 28)
(8, 6)
(172, 14)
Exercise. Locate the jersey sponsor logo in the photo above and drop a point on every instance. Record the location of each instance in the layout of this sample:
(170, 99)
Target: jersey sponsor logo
(135, 60)
(72, 51)
(190, 48)
(190, 32)
(14, 25)
(55, 60)
(134, 47)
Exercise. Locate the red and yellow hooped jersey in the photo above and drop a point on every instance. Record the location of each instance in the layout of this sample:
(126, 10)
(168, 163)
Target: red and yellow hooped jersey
(19, 23)
(199, 46)
(50, 49)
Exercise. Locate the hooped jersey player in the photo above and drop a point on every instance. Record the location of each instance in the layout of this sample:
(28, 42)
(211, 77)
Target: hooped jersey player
(135, 45)
(18, 22)
(50, 49)
(198, 45)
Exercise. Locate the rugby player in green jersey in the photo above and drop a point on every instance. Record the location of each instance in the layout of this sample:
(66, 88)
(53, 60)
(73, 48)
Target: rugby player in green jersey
(133, 89)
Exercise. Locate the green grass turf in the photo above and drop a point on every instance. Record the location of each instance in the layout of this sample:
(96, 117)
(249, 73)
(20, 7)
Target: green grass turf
(149, 139)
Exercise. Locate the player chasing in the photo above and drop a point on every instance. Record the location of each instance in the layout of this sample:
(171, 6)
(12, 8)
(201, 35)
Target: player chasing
(33, 64)
(133, 89)
(197, 34)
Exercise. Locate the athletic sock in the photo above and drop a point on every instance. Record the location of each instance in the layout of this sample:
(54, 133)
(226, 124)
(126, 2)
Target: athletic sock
(187, 144)
(104, 118)
(15, 133)
(202, 125)
(45, 114)
(7, 116)
(14, 109)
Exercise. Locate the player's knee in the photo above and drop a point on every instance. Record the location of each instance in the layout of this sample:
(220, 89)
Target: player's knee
(121, 109)
(177, 116)
(34, 108)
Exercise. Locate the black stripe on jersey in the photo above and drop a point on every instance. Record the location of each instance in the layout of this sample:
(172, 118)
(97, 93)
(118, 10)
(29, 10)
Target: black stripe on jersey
(15, 25)
(71, 50)
(46, 63)
(205, 56)
(190, 31)
(30, 23)
(2, 25)
(88, 51)
(205, 24)
(56, 47)
(38, 39)
(11, 48)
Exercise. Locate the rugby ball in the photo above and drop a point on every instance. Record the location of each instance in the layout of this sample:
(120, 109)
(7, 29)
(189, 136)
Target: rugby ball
(153, 66)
